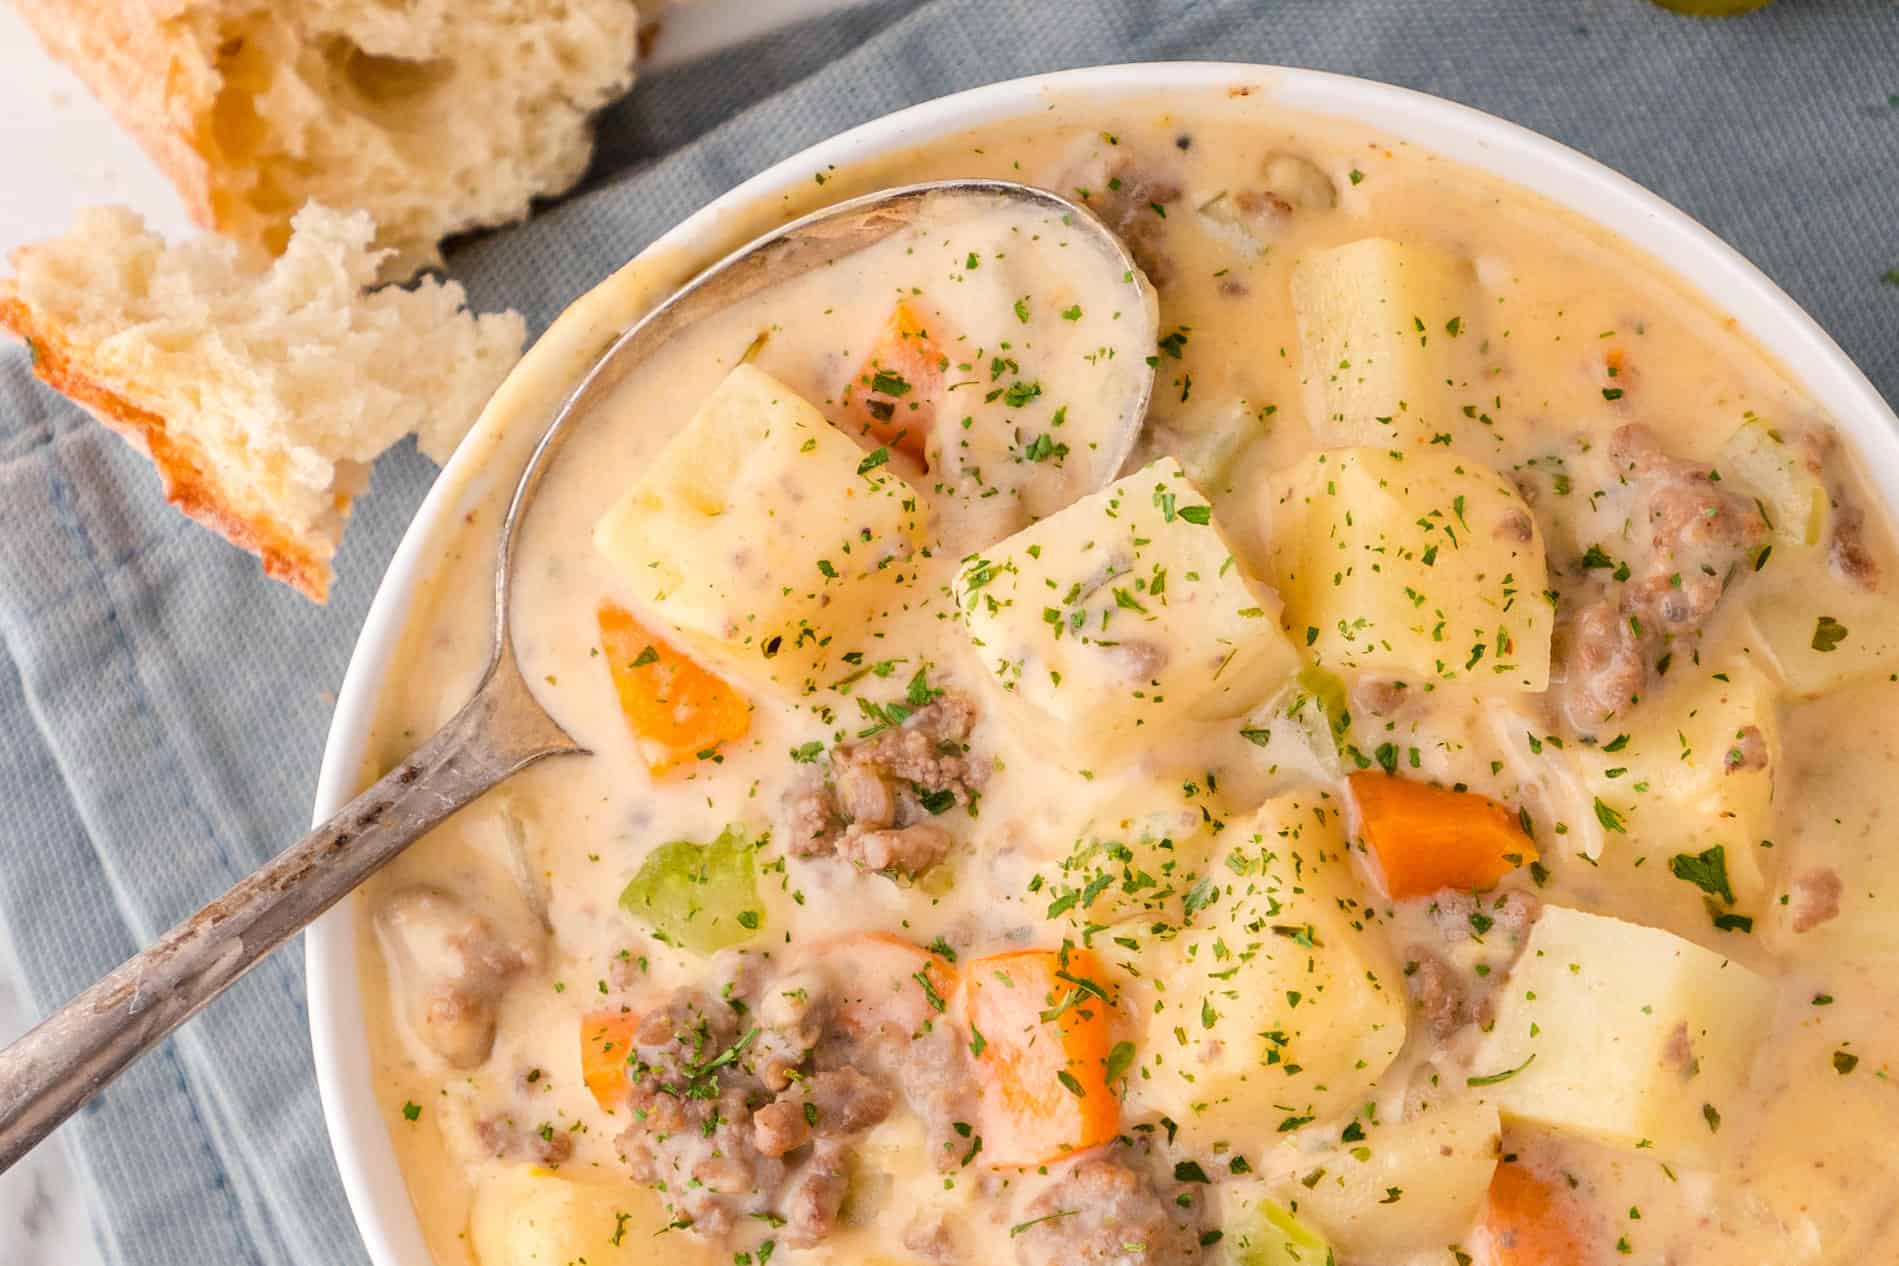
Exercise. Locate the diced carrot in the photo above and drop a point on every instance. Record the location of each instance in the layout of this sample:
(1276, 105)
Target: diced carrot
(887, 984)
(1042, 1034)
(677, 709)
(1617, 374)
(606, 1039)
(894, 394)
(1426, 838)
(1528, 1222)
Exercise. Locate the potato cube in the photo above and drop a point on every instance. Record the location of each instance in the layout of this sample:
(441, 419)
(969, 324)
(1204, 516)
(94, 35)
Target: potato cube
(1810, 1181)
(1440, 1161)
(1824, 635)
(1274, 1001)
(1382, 327)
(1135, 857)
(1625, 1034)
(1424, 564)
(1840, 877)
(528, 1216)
(1791, 493)
(763, 533)
(1695, 769)
(1126, 612)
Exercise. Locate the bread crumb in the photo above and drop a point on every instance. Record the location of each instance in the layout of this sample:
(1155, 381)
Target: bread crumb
(261, 388)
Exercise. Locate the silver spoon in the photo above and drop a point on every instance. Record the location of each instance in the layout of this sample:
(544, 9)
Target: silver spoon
(74, 1053)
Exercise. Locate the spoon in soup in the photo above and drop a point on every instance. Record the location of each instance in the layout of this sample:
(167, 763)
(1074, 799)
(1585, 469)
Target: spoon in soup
(75, 1052)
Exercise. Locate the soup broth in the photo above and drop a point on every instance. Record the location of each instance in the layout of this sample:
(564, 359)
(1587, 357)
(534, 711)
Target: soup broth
(1422, 804)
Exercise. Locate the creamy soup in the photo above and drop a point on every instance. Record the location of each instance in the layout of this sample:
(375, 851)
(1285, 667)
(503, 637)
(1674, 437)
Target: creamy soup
(1412, 797)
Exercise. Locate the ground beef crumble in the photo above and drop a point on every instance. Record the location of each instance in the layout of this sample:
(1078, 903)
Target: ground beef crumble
(1847, 552)
(1106, 1211)
(749, 1103)
(1693, 536)
(454, 965)
(1813, 899)
(1452, 979)
(1132, 201)
(872, 802)
(1438, 990)
(1748, 752)
(1699, 533)
(508, 1139)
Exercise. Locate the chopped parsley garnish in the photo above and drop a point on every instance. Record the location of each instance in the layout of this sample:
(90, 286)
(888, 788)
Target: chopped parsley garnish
(1200, 896)
(873, 460)
(1020, 393)
(1706, 870)
(940, 801)
(1043, 447)
(1120, 1059)
(1828, 633)
(887, 382)
(1020, 1227)
(1596, 557)
(919, 691)
(930, 995)
(1491, 1079)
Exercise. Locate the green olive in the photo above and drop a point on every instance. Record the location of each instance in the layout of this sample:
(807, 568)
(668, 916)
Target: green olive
(1714, 8)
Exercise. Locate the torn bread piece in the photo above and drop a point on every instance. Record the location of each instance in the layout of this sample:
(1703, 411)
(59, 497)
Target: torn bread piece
(261, 389)
(435, 116)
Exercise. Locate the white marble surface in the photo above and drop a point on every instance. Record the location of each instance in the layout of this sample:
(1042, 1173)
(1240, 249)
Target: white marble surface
(70, 155)
(43, 1219)
(64, 153)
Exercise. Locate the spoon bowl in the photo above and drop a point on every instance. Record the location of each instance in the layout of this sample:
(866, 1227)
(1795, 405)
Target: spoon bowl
(76, 1052)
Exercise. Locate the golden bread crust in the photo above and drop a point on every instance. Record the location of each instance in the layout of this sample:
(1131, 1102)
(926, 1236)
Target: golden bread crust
(188, 477)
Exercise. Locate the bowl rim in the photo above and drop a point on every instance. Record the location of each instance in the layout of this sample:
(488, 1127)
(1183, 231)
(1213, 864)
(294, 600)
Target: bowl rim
(364, 1152)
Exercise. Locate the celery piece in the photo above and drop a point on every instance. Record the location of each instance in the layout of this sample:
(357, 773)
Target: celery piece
(1793, 498)
(1328, 693)
(700, 897)
(1270, 1235)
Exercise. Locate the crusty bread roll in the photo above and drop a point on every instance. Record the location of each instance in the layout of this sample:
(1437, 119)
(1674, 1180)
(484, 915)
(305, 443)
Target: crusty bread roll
(261, 388)
(434, 116)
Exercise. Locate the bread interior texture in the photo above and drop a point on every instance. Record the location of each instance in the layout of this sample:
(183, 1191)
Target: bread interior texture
(261, 387)
(435, 116)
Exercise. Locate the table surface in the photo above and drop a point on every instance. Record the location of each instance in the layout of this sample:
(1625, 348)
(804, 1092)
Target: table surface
(65, 153)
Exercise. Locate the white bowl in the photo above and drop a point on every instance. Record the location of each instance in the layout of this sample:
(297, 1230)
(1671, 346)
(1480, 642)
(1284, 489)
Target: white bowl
(363, 1151)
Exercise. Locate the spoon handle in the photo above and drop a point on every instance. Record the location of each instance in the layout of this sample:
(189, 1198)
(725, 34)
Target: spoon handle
(75, 1053)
